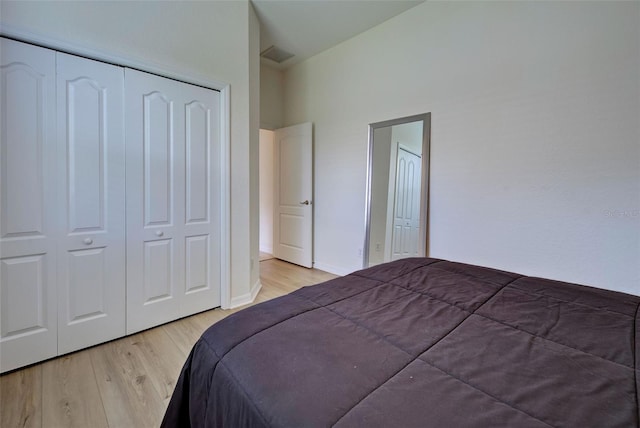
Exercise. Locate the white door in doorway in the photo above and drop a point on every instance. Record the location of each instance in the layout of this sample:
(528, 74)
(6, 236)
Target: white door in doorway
(293, 189)
(406, 209)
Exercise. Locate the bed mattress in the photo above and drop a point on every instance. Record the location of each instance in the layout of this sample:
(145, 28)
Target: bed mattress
(419, 342)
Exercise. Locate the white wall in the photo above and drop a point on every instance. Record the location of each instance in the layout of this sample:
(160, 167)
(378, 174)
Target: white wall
(211, 39)
(271, 93)
(535, 153)
(266, 191)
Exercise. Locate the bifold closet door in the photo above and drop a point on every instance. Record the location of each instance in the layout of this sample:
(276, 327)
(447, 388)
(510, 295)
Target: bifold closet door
(91, 202)
(173, 193)
(28, 308)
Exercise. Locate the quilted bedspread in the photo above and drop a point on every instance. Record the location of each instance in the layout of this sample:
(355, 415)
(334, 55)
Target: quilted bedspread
(419, 343)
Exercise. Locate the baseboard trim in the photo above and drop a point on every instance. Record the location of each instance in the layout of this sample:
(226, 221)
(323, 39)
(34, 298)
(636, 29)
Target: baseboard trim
(255, 290)
(333, 269)
(246, 298)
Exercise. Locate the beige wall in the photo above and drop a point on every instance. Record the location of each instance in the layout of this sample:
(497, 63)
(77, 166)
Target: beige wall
(214, 40)
(535, 153)
(271, 93)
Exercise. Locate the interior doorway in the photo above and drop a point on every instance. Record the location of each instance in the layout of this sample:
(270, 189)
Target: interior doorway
(286, 193)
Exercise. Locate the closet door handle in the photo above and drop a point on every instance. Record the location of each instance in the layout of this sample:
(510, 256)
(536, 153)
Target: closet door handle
(159, 233)
(88, 241)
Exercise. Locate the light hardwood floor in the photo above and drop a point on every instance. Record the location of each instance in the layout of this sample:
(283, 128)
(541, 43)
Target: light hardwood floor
(127, 382)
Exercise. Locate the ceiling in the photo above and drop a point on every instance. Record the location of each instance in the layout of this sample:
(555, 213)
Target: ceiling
(307, 27)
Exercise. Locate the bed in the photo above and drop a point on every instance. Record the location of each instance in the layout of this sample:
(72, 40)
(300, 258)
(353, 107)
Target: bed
(419, 342)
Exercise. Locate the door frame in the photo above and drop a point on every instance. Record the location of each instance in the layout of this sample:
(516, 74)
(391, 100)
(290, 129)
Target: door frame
(224, 88)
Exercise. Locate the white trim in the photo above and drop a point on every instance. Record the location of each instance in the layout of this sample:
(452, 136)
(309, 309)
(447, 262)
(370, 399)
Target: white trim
(183, 76)
(255, 290)
(225, 198)
(341, 271)
(247, 298)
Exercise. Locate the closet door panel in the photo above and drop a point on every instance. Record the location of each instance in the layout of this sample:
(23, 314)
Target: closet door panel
(202, 194)
(86, 299)
(155, 167)
(198, 269)
(28, 312)
(158, 271)
(158, 140)
(24, 149)
(173, 217)
(197, 142)
(158, 187)
(84, 101)
(91, 269)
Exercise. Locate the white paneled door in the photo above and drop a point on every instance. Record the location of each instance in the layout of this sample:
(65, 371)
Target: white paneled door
(406, 209)
(173, 194)
(110, 202)
(91, 183)
(28, 313)
(293, 192)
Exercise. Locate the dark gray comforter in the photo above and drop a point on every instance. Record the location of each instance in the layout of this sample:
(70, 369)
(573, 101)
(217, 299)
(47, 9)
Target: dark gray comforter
(419, 343)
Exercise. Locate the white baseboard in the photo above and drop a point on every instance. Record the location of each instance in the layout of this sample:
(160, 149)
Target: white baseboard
(341, 271)
(255, 290)
(246, 298)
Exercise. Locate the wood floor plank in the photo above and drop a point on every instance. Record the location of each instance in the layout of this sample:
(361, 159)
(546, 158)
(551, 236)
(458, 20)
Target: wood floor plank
(70, 395)
(184, 333)
(128, 396)
(161, 360)
(21, 398)
(207, 319)
(267, 293)
(286, 277)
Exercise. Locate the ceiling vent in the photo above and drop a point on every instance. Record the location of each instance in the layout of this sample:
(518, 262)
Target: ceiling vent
(276, 54)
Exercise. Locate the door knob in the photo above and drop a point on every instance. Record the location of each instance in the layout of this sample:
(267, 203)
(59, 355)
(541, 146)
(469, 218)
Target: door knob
(305, 202)
(88, 241)
(159, 233)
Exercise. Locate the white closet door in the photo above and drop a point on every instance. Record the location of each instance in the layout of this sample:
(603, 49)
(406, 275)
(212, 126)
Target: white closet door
(28, 313)
(201, 225)
(173, 258)
(154, 160)
(91, 178)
